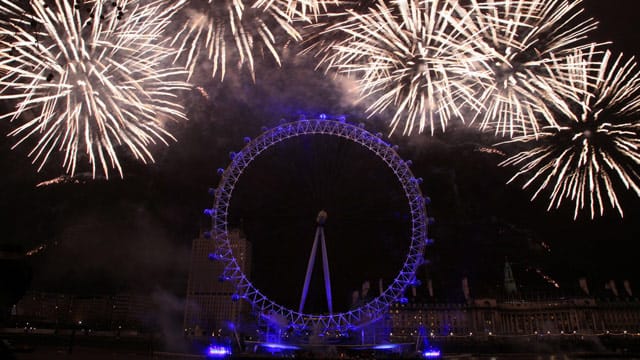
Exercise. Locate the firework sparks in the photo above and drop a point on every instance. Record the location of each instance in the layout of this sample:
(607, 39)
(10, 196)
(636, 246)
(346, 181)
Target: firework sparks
(546, 277)
(203, 92)
(587, 159)
(414, 57)
(223, 29)
(523, 80)
(299, 7)
(40, 248)
(89, 79)
(78, 178)
(58, 180)
(487, 150)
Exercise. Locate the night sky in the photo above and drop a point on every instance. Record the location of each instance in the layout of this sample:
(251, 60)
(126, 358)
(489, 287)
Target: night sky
(134, 234)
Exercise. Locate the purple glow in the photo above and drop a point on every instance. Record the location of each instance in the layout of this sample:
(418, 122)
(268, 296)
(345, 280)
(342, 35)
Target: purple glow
(431, 354)
(275, 346)
(218, 351)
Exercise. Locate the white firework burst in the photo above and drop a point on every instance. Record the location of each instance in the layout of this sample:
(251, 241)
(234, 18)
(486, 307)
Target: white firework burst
(223, 30)
(597, 151)
(414, 56)
(88, 79)
(523, 76)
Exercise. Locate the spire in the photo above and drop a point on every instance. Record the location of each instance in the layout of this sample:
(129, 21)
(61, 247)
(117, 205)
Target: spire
(509, 281)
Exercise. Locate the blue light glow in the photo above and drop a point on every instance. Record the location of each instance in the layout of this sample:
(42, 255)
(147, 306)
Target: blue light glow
(431, 354)
(220, 171)
(279, 347)
(323, 116)
(218, 351)
(385, 347)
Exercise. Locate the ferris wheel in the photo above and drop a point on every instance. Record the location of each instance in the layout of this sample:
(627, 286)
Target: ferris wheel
(245, 289)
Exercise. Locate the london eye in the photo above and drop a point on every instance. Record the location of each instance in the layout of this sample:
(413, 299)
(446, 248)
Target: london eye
(246, 164)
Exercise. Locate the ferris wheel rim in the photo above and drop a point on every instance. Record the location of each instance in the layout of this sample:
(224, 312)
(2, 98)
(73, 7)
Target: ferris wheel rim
(371, 310)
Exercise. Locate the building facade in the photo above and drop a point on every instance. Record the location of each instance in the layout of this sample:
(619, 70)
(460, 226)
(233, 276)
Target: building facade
(491, 317)
(210, 309)
(98, 312)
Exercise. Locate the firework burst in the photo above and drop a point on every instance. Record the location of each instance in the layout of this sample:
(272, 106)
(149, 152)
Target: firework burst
(588, 158)
(221, 30)
(522, 80)
(88, 79)
(413, 56)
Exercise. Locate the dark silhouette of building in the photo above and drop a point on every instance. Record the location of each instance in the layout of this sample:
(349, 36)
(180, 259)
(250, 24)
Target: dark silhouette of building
(15, 277)
(97, 312)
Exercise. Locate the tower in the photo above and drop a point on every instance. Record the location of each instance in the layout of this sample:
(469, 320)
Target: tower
(509, 281)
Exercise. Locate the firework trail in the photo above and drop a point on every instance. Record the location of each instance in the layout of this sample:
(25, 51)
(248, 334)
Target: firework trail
(586, 159)
(522, 80)
(88, 79)
(221, 30)
(414, 56)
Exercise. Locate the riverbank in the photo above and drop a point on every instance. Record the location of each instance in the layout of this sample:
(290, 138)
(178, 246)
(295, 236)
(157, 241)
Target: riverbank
(104, 346)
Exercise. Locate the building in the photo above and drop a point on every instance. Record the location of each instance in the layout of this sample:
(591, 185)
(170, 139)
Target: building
(44, 310)
(209, 308)
(131, 311)
(98, 312)
(522, 317)
(539, 309)
(92, 311)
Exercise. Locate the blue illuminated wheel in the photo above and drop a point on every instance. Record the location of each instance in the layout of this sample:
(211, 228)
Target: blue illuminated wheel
(354, 318)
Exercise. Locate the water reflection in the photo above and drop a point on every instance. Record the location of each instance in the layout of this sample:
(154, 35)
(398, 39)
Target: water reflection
(577, 356)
